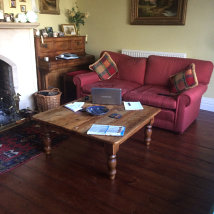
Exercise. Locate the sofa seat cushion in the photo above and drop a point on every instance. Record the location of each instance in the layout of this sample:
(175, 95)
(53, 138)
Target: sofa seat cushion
(113, 83)
(152, 96)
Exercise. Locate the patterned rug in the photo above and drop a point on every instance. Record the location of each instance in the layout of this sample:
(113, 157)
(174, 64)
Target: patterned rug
(22, 143)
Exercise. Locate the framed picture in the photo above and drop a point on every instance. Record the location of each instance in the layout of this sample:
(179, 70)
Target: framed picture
(44, 33)
(2, 5)
(23, 8)
(49, 6)
(12, 4)
(69, 29)
(49, 31)
(158, 12)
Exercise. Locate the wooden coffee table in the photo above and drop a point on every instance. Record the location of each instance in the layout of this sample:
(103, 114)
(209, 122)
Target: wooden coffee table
(79, 122)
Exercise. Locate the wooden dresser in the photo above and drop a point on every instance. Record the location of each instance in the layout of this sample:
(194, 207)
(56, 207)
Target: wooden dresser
(50, 73)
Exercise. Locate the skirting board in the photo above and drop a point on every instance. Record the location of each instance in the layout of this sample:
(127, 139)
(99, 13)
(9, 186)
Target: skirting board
(207, 104)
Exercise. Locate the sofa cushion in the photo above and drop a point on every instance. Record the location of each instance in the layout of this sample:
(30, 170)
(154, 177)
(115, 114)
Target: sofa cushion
(105, 67)
(113, 83)
(152, 95)
(183, 80)
(159, 69)
(133, 69)
(129, 68)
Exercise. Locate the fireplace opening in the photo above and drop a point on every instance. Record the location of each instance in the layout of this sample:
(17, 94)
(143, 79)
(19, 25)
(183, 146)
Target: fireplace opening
(9, 100)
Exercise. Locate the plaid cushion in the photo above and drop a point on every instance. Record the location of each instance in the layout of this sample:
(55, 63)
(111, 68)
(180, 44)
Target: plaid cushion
(183, 80)
(105, 67)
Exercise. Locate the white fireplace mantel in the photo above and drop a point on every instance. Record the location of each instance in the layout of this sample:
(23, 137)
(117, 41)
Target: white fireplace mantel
(14, 25)
(17, 49)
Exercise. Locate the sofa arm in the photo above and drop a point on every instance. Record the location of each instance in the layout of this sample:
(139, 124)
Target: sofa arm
(84, 79)
(190, 95)
(188, 106)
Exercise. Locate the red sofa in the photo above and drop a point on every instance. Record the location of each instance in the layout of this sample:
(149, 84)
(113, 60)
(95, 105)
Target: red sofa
(147, 80)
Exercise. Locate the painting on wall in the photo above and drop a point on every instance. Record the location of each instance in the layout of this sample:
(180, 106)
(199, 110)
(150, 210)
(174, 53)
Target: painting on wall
(1, 5)
(23, 8)
(12, 4)
(158, 12)
(49, 6)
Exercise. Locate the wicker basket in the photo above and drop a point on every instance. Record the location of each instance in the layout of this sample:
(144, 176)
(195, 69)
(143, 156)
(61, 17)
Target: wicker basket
(48, 99)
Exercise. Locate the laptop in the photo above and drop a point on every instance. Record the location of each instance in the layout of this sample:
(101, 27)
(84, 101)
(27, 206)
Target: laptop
(111, 96)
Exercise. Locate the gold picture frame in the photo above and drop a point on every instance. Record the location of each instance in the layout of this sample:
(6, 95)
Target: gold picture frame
(12, 4)
(23, 8)
(49, 7)
(2, 5)
(148, 12)
(69, 29)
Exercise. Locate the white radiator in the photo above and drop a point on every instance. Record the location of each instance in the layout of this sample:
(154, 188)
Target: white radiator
(138, 53)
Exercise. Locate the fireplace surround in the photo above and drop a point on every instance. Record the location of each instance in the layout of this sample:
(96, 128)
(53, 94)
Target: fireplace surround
(17, 52)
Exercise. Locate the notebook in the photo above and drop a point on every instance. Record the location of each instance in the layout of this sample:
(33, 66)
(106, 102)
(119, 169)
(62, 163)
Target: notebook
(112, 96)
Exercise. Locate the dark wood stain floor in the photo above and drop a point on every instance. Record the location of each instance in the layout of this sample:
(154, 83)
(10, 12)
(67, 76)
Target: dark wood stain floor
(174, 176)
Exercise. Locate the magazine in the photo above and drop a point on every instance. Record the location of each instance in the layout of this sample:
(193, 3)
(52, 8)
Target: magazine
(133, 106)
(76, 106)
(97, 129)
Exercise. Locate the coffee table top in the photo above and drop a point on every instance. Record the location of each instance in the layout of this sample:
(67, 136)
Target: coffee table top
(79, 122)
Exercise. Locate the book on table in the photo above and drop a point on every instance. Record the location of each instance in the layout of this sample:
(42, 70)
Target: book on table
(75, 106)
(97, 129)
(133, 106)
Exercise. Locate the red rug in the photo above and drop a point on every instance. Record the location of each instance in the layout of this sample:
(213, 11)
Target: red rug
(22, 143)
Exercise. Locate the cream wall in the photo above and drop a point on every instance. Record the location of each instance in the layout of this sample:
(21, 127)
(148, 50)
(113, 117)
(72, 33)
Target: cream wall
(45, 20)
(55, 21)
(108, 28)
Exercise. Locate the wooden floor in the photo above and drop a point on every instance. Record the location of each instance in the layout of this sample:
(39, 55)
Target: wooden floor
(174, 176)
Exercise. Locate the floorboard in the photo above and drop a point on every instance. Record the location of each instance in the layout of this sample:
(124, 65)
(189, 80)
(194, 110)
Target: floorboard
(173, 176)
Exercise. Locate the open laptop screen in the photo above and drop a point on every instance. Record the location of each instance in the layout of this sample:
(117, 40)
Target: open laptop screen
(111, 96)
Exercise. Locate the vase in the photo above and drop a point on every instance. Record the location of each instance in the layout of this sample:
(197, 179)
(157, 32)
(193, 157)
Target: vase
(78, 31)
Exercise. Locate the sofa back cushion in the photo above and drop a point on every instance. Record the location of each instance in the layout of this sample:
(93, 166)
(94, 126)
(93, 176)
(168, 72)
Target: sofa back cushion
(129, 68)
(160, 68)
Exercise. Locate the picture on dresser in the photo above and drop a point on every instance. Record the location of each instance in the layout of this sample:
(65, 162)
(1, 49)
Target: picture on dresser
(49, 6)
(49, 31)
(69, 29)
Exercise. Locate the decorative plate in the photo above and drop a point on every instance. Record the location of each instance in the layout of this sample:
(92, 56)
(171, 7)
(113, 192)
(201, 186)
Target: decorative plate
(97, 110)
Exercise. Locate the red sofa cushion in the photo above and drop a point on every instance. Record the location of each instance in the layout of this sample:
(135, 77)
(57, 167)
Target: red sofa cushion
(133, 69)
(113, 83)
(150, 95)
(183, 80)
(159, 69)
(129, 68)
(105, 67)
(73, 73)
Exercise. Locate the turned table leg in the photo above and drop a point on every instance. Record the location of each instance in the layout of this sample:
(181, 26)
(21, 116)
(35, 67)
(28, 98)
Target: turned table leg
(148, 132)
(111, 151)
(47, 144)
(46, 140)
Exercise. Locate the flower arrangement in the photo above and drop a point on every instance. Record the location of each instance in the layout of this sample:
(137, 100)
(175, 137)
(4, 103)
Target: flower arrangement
(76, 17)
